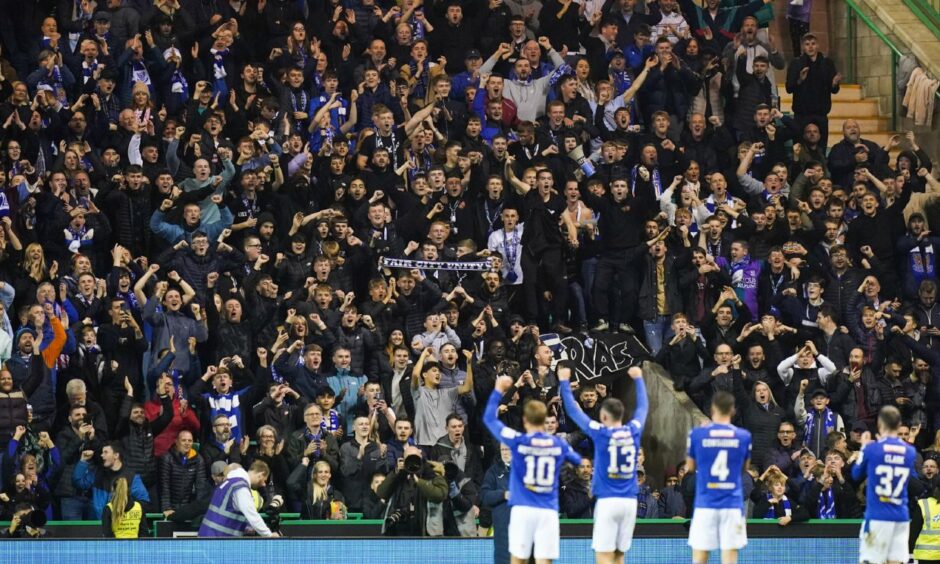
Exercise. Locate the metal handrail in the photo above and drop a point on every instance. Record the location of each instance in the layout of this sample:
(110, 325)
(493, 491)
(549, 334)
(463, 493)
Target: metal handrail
(874, 28)
(928, 13)
(855, 13)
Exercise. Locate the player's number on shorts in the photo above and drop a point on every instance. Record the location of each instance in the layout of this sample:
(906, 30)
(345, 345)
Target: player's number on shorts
(719, 467)
(622, 459)
(891, 480)
(539, 471)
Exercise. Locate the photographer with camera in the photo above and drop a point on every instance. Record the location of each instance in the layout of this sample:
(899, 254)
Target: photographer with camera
(408, 491)
(27, 523)
(457, 515)
(232, 509)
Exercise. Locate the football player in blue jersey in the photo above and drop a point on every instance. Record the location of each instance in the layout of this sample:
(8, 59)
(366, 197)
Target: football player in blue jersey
(615, 450)
(718, 454)
(888, 464)
(533, 478)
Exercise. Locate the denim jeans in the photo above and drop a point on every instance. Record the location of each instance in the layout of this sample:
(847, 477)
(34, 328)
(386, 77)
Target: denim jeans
(577, 303)
(588, 272)
(655, 329)
(75, 508)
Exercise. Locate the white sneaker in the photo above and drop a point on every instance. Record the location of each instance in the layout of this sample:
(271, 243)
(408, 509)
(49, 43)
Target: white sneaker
(626, 328)
(601, 326)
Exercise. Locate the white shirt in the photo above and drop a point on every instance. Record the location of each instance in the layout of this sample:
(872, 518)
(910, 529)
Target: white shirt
(498, 241)
(245, 504)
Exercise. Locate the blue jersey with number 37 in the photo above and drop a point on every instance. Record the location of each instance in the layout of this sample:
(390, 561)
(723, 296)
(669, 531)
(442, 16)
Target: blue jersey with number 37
(720, 452)
(888, 464)
(536, 461)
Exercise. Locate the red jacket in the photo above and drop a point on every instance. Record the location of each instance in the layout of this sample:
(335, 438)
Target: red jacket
(185, 422)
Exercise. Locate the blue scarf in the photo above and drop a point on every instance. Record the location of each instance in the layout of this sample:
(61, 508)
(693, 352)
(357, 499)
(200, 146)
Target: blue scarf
(58, 88)
(420, 89)
(298, 104)
(561, 71)
(178, 84)
(141, 74)
(219, 72)
(622, 82)
(331, 421)
(317, 83)
(829, 424)
(278, 377)
(88, 70)
(311, 437)
(654, 178)
(417, 27)
(784, 502)
(827, 504)
(510, 252)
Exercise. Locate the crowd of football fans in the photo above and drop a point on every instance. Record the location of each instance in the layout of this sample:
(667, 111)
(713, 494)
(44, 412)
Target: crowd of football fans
(313, 233)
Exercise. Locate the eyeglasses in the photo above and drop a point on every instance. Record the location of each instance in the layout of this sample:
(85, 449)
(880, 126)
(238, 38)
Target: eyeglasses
(786, 432)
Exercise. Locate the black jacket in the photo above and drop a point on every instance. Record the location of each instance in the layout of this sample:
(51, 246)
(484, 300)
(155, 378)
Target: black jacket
(814, 95)
(182, 478)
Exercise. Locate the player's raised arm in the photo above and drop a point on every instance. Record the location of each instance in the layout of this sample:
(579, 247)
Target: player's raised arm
(642, 401)
(572, 409)
(859, 471)
(690, 454)
(570, 454)
(490, 415)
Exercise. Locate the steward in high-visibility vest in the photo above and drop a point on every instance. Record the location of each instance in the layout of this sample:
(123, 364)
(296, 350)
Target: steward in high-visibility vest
(128, 522)
(927, 547)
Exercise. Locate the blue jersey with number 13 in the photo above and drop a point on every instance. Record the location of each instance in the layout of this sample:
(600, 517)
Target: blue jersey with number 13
(720, 452)
(615, 448)
(536, 461)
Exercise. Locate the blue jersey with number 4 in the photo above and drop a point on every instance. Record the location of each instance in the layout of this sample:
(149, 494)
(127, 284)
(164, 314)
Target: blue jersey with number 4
(888, 464)
(536, 461)
(615, 448)
(720, 452)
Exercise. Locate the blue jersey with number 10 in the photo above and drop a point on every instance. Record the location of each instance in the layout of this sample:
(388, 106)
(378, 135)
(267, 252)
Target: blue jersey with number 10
(536, 461)
(615, 448)
(888, 465)
(720, 452)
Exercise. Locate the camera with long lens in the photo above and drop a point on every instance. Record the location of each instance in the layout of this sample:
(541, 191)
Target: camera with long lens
(273, 511)
(413, 463)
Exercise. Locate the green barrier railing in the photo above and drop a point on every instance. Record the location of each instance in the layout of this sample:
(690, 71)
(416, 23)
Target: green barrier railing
(928, 12)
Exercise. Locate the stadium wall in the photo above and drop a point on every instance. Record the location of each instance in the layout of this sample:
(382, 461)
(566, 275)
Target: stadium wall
(672, 416)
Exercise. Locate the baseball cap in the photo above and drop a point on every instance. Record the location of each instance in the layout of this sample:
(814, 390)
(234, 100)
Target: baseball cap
(218, 468)
(473, 54)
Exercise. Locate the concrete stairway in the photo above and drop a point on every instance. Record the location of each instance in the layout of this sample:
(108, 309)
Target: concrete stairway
(850, 103)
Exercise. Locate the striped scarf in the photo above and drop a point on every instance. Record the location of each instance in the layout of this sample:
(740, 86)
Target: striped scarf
(828, 420)
(827, 504)
(420, 88)
(784, 502)
(219, 72)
